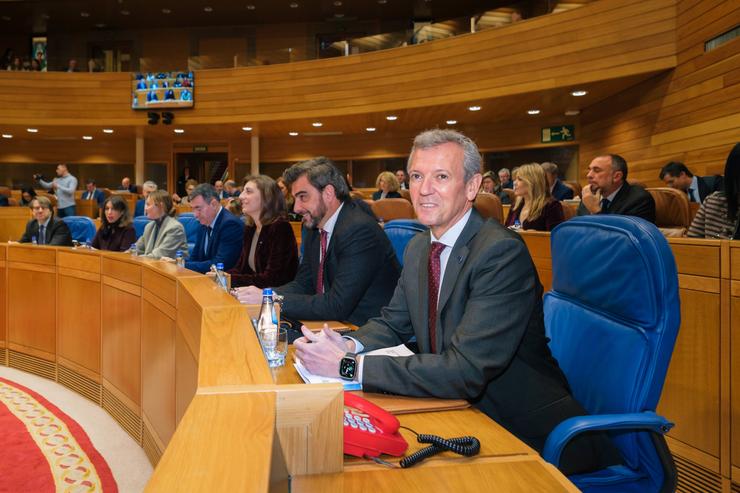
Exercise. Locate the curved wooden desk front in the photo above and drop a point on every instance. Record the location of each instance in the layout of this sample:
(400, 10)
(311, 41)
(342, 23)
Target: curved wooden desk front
(175, 361)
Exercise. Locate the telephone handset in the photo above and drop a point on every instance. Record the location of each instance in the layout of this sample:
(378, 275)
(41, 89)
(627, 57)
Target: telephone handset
(370, 430)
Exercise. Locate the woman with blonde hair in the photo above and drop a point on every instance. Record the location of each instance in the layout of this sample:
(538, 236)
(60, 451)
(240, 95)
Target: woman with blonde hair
(387, 184)
(163, 235)
(534, 207)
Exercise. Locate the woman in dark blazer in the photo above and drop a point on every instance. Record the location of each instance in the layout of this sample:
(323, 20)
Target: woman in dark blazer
(534, 207)
(116, 231)
(387, 184)
(269, 253)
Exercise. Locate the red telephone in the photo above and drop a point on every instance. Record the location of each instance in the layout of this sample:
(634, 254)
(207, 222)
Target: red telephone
(371, 431)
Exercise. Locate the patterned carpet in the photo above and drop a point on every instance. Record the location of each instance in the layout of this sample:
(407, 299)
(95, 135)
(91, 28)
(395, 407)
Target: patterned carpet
(43, 449)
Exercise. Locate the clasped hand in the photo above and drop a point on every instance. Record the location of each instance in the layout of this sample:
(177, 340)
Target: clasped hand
(321, 352)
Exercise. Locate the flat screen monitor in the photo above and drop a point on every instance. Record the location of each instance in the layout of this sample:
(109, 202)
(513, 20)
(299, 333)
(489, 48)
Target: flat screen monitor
(160, 90)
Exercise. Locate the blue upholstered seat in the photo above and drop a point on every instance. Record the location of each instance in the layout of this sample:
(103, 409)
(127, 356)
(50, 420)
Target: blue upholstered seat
(81, 227)
(613, 316)
(400, 232)
(140, 223)
(192, 228)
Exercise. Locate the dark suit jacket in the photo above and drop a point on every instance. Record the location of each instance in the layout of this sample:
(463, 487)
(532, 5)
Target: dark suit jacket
(631, 200)
(561, 191)
(139, 210)
(390, 195)
(4, 201)
(98, 196)
(502, 364)
(114, 238)
(275, 257)
(360, 272)
(224, 246)
(708, 185)
(57, 232)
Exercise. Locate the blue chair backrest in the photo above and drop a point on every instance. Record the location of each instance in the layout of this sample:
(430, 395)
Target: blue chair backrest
(400, 232)
(140, 223)
(613, 316)
(81, 227)
(192, 229)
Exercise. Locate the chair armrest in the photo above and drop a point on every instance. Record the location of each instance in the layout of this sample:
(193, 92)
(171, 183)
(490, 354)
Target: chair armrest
(565, 431)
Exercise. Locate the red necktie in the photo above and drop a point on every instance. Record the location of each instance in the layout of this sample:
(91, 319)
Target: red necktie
(434, 274)
(320, 275)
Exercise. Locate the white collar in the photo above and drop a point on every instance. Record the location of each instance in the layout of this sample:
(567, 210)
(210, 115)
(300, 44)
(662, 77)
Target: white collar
(449, 238)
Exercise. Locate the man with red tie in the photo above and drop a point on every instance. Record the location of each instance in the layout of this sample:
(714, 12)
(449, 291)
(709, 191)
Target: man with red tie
(349, 267)
(470, 295)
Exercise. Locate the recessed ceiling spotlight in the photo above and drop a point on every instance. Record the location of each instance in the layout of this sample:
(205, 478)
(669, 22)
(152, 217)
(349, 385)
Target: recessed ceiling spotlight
(7, 136)
(247, 129)
(533, 112)
(474, 108)
(382, 2)
(45, 16)
(100, 25)
(125, 12)
(107, 130)
(32, 130)
(87, 137)
(337, 3)
(293, 5)
(179, 131)
(166, 11)
(391, 118)
(317, 124)
(293, 134)
(84, 14)
(370, 129)
(451, 122)
(251, 7)
(579, 93)
(6, 18)
(207, 9)
(338, 15)
(572, 112)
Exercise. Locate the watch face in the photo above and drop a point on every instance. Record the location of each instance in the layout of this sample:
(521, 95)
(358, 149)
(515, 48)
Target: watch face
(347, 368)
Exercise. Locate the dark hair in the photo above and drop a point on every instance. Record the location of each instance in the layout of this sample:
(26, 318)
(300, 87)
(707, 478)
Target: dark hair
(273, 203)
(205, 190)
(619, 164)
(30, 191)
(119, 205)
(320, 172)
(732, 182)
(90, 180)
(674, 168)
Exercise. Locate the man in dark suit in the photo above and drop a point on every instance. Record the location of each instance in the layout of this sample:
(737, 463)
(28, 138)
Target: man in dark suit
(92, 193)
(44, 227)
(127, 186)
(558, 189)
(677, 175)
(504, 176)
(349, 267)
(220, 238)
(608, 192)
(456, 282)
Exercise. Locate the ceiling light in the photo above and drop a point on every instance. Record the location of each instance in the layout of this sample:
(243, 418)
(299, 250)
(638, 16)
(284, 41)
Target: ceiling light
(32, 130)
(382, 2)
(370, 129)
(100, 25)
(317, 124)
(107, 130)
(6, 18)
(251, 7)
(179, 131)
(391, 118)
(572, 112)
(533, 112)
(125, 12)
(166, 11)
(474, 108)
(451, 122)
(87, 137)
(338, 15)
(247, 129)
(337, 3)
(293, 5)
(84, 14)
(293, 134)
(7, 136)
(45, 16)
(207, 9)
(579, 93)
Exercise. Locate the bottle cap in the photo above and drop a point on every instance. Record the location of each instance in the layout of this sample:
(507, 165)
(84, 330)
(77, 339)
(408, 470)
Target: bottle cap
(220, 266)
(267, 292)
(179, 253)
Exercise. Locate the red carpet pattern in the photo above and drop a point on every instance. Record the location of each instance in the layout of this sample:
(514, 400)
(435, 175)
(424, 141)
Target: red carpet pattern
(43, 449)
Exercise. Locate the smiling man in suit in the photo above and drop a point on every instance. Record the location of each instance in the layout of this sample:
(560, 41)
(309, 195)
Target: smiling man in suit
(44, 227)
(457, 281)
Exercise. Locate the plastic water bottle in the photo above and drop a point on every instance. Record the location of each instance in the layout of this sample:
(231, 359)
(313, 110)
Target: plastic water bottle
(517, 224)
(221, 277)
(179, 259)
(132, 250)
(267, 328)
(34, 240)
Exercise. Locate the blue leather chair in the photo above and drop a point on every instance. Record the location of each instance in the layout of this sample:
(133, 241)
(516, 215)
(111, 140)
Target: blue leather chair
(613, 316)
(81, 227)
(400, 232)
(140, 223)
(192, 229)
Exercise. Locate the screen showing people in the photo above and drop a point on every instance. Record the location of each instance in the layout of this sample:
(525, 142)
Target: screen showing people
(162, 90)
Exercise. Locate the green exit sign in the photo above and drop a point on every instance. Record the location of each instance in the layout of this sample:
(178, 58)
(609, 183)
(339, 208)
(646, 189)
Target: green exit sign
(561, 133)
(200, 148)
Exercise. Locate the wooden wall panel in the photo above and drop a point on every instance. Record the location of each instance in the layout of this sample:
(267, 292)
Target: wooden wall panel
(79, 323)
(13, 222)
(186, 376)
(735, 371)
(32, 305)
(3, 297)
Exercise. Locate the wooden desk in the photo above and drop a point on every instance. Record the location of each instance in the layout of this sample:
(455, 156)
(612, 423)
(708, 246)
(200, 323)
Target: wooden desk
(87, 208)
(13, 222)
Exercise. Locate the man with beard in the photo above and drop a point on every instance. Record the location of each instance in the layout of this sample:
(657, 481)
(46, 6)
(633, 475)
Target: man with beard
(349, 269)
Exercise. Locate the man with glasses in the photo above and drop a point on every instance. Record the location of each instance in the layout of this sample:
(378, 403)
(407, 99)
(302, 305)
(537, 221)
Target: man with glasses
(44, 228)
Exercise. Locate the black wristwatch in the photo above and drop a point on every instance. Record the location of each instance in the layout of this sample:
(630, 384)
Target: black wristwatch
(348, 366)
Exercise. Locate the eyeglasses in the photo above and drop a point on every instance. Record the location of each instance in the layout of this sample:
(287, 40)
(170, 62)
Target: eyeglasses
(37, 208)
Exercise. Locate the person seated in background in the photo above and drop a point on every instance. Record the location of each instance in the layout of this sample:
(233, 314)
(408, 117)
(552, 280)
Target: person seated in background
(163, 235)
(182, 180)
(677, 175)
(231, 189)
(403, 179)
(44, 228)
(608, 192)
(127, 186)
(92, 193)
(147, 188)
(488, 183)
(285, 191)
(504, 176)
(220, 192)
(185, 200)
(269, 254)
(558, 189)
(235, 207)
(220, 237)
(719, 214)
(116, 232)
(63, 186)
(4, 201)
(71, 65)
(534, 207)
(349, 268)
(387, 184)
(27, 195)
